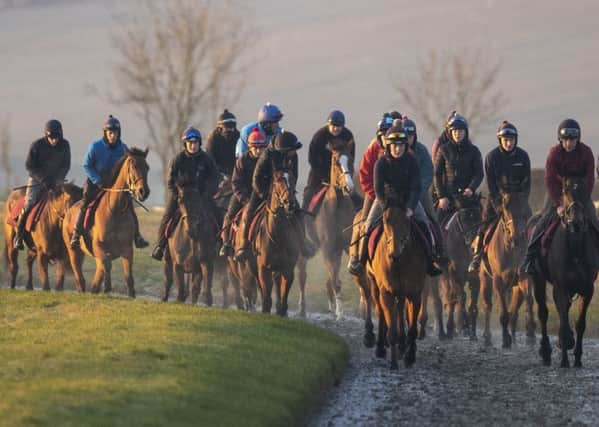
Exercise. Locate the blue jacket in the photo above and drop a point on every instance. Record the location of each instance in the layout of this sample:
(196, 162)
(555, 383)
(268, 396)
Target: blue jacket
(242, 142)
(100, 157)
(425, 165)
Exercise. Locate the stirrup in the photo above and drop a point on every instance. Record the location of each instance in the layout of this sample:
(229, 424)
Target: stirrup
(474, 265)
(140, 242)
(18, 243)
(528, 266)
(75, 240)
(434, 270)
(158, 253)
(225, 250)
(355, 267)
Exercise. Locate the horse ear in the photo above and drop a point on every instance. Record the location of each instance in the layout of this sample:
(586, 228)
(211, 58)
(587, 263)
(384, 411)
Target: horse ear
(146, 151)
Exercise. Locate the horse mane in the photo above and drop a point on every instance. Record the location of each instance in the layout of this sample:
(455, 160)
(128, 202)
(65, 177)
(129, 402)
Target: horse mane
(112, 175)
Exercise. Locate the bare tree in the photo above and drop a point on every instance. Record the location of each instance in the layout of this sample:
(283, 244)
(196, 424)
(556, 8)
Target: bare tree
(183, 59)
(6, 168)
(446, 81)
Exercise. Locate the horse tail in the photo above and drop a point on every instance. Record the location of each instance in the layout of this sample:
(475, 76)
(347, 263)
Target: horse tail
(5, 255)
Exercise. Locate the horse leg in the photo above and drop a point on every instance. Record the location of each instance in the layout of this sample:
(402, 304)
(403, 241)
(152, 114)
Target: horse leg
(487, 291)
(76, 259)
(42, 266)
(541, 298)
(167, 270)
(224, 284)
(413, 310)
(504, 316)
(389, 308)
(286, 280)
(196, 284)
(515, 303)
(381, 340)
(423, 314)
(303, 275)
(525, 287)
(108, 278)
(265, 278)
(29, 263)
(401, 324)
(127, 263)
(438, 304)
(566, 338)
(473, 307)
(333, 263)
(12, 255)
(366, 309)
(59, 273)
(98, 276)
(179, 274)
(581, 323)
(207, 276)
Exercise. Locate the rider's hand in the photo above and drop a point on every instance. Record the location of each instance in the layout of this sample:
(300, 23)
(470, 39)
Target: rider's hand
(560, 210)
(409, 212)
(443, 203)
(468, 192)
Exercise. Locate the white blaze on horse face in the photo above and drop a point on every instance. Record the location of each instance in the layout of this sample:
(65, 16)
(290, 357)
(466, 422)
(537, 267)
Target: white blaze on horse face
(344, 163)
(286, 177)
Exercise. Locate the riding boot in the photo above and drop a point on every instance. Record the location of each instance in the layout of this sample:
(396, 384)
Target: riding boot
(532, 253)
(478, 251)
(78, 228)
(18, 240)
(440, 253)
(356, 265)
(158, 252)
(226, 249)
(244, 245)
(138, 239)
(307, 247)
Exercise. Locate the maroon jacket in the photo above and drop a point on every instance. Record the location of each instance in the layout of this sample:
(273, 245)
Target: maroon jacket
(561, 164)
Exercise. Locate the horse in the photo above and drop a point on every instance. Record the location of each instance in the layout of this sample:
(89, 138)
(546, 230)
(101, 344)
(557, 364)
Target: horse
(191, 247)
(506, 249)
(44, 240)
(570, 265)
(333, 227)
(111, 235)
(397, 273)
(461, 230)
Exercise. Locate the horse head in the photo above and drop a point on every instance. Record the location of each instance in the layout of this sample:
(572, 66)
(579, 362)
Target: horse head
(396, 227)
(515, 212)
(191, 206)
(282, 194)
(468, 222)
(574, 193)
(137, 168)
(63, 197)
(341, 174)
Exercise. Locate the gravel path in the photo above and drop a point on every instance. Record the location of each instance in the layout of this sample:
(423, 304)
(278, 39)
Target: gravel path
(460, 382)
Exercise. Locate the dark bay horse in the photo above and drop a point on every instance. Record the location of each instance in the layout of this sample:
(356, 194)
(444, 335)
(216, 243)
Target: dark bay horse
(111, 235)
(461, 231)
(191, 247)
(45, 239)
(505, 252)
(397, 273)
(333, 227)
(571, 267)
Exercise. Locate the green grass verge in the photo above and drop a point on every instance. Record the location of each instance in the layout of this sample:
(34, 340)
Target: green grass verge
(74, 360)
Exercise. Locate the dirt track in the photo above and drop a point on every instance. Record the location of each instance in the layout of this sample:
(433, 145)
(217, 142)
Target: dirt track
(461, 382)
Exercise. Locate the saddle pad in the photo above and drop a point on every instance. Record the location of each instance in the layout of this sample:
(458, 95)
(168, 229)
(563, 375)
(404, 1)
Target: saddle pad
(256, 220)
(373, 240)
(171, 224)
(35, 214)
(15, 211)
(317, 199)
(88, 220)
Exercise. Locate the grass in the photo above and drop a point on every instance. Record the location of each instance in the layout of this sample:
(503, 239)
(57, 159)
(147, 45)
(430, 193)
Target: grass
(74, 360)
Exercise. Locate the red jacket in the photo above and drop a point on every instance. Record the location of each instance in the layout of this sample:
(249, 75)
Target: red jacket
(369, 158)
(561, 164)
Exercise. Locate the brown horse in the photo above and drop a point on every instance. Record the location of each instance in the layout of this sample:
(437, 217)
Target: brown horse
(45, 239)
(191, 247)
(333, 228)
(505, 251)
(111, 235)
(461, 230)
(571, 266)
(397, 273)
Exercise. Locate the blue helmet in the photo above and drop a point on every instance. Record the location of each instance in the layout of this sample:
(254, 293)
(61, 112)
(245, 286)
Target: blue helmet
(269, 113)
(385, 123)
(336, 118)
(191, 133)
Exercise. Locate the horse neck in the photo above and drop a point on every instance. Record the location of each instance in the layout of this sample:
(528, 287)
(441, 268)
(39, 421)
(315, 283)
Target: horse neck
(118, 196)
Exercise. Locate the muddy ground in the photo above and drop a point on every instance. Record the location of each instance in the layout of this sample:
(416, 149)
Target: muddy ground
(460, 382)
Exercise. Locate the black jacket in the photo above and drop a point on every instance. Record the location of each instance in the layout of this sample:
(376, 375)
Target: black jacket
(221, 148)
(269, 162)
(193, 170)
(397, 181)
(319, 156)
(243, 173)
(507, 172)
(457, 167)
(47, 163)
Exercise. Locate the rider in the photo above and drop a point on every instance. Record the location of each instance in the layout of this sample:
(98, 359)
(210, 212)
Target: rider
(374, 151)
(458, 167)
(269, 117)
(191, 167)
(221, 141)
(242, 184)
(570, 157)
(281, 154)
(99, 159)
(48, 163)
(507, 168)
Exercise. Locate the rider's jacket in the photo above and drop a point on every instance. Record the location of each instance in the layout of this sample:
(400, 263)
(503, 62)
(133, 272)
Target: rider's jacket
(507, 172)
(221, 147)
(48, 163)
(425, 165)
(242, 142)
(369, 158)
(269, 162)
(319, 156)
(241, 181)
(397, 180)
(457, 166)
(101, 157)
(561, 164)
(197, 170)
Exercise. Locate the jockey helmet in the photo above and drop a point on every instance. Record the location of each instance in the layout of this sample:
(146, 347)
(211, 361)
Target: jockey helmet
(395, 135)
(257, 138)
(53, 128)
(269, 113)
(227, 119)
(568, 128)
(457, 121)
(395, 114)
(191, 134)
(506, 129)
(336, 118)
(286, 141)
(111, 123)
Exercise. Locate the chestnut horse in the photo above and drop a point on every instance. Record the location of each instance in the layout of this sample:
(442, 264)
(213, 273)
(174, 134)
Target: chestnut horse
(505, 252)
(191, 247)
(45, 239)
(111, 235)
(333, 227)
(571, 266)
(397, 273)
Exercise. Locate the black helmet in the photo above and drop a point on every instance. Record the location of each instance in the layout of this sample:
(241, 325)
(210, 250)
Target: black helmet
(53, 128)
(568, 128)
(286, 141)
(507, 129)
(409, 126)
(227, 119)
(457, 121)
(382, 126)
(111, 123)
(336, 118)
(395, 114)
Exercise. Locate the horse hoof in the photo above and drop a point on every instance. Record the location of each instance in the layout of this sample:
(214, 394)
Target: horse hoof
(369, 340)
(564, 364)
(381, 353)
(409, 361)
(473, 338)
(577, 364)
(131, 293)
(422, 334)
(394, 366)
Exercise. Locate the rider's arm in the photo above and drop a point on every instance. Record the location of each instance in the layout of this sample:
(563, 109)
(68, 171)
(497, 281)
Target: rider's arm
(212, 177)
(379, 180)
(65, 164)
(589, 161)
(238, 184)
(261, 174)
(438, 177)
(89, 165)
(414, 185)
(33, 164)
(171, 180)
(491, 179)
(242, 142)
(477, 169)
(425, 165)
(552, 181)
(527, 181)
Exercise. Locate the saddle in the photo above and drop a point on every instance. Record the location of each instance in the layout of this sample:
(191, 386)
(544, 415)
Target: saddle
(171, 224)
(88, 219)
(317, 199)
(254, 221)
(33, 216)
(419, 231)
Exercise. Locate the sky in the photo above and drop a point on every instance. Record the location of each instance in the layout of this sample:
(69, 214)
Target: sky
(311, 57)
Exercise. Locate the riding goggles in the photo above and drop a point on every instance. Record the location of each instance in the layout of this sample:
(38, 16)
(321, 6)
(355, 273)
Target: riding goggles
(410, 129)
(396, 138)
(569, 133)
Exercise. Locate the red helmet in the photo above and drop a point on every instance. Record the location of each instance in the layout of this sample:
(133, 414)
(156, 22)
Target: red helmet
(257, 138)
